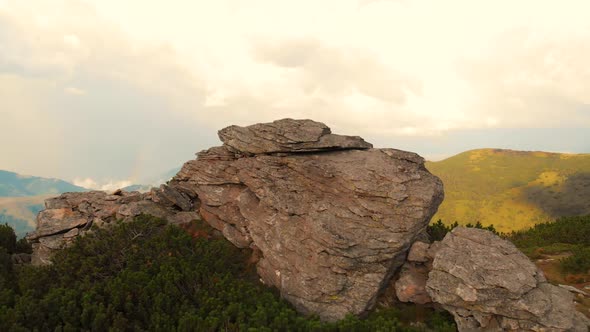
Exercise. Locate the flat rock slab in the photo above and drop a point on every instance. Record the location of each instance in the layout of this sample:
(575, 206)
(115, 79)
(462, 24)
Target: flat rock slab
(287, 136)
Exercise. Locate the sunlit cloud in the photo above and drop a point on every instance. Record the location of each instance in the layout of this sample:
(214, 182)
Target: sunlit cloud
(102, 82)
(109, 185)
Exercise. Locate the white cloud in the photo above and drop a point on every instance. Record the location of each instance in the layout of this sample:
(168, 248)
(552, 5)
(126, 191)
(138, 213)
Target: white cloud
(109, 185)
(74, 91)
(378, 68)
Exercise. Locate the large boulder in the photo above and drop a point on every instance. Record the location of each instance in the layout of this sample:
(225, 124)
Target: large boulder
(488, 284)
(72, 214)
(332, 217)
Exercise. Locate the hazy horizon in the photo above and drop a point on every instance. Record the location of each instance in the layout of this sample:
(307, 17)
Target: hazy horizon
(108, 92)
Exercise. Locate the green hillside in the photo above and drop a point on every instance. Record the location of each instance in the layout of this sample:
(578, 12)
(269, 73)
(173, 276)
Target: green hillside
(512, 189)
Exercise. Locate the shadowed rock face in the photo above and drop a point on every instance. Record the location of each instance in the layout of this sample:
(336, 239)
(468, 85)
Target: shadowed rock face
(332, 217)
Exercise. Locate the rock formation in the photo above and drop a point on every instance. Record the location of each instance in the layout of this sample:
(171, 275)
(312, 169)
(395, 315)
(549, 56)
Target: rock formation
(72, 214)
(331, 220)
(332, 217)
(488, 285)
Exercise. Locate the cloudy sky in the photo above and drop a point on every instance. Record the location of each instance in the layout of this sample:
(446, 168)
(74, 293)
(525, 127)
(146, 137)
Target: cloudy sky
(104, 91)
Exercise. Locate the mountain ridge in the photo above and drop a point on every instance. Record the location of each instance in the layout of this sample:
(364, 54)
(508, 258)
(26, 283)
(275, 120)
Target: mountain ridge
(512, 189)
(13, 184)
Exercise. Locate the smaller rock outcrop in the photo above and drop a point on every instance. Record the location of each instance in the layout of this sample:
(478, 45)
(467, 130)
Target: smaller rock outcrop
(71, 214)
(489, 285)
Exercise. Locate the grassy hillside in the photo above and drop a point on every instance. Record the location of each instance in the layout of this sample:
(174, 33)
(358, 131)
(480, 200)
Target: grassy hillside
(513, 189)
(16, 185)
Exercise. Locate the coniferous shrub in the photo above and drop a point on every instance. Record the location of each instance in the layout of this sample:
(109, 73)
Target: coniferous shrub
(144, 275)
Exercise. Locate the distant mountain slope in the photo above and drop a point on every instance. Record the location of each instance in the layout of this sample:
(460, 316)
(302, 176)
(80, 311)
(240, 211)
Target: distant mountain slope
(21, 212)
(22, 197)
(16, 185)
(512, 189)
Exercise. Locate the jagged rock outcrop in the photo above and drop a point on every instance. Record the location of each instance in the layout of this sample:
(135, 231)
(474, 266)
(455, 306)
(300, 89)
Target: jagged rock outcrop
(67, 216)
(331, 220)
(332, 217)
(489, 285)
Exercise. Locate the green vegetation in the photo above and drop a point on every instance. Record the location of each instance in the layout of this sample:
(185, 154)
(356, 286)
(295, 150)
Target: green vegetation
(568, 230)
(562, 250)
(9, 243)
(438, 230)
(578, 262)
(512, 190)
(8, 246)
(568, 235)
(143, 275)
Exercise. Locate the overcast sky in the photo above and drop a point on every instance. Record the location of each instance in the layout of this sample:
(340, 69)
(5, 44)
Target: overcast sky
(105, 91)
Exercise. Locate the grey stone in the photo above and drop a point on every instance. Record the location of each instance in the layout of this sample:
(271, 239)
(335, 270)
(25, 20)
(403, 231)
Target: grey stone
(71, 214)
(488, 284)
(287, 136)
(332, 225)
(419, 252)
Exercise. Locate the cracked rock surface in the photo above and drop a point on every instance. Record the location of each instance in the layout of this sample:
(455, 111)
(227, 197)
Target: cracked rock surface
(332, 217)
(489, 285)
